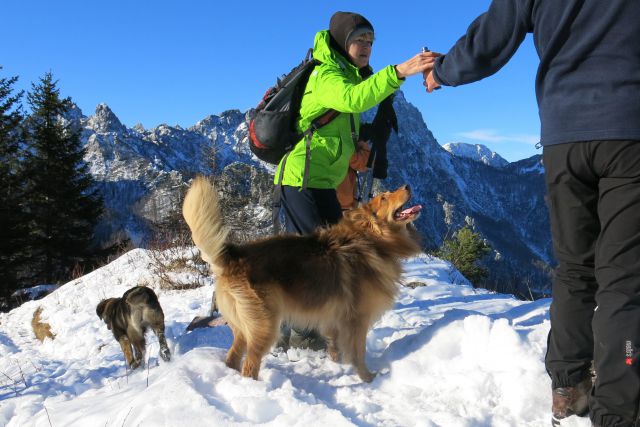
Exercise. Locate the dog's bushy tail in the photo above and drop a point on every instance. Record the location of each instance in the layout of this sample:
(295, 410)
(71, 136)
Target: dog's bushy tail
(202, 212)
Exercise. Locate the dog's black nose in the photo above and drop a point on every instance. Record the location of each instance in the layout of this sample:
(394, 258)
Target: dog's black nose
(406, 187)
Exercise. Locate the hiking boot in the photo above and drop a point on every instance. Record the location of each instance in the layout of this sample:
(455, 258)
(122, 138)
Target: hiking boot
(569, 401)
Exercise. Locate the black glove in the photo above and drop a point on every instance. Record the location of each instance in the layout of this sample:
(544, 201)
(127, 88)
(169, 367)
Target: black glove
(384, 121)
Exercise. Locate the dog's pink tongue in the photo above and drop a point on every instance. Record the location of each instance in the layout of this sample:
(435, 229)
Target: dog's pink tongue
(407, 212)
(412, 209)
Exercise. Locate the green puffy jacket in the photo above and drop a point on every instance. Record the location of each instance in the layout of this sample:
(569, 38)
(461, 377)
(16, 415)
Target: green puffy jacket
(334, 84)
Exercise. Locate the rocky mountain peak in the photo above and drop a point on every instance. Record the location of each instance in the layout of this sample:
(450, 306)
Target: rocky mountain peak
(105, 121)
(211, 123)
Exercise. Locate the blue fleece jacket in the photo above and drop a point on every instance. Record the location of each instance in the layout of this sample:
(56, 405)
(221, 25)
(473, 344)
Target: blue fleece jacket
(588, 81)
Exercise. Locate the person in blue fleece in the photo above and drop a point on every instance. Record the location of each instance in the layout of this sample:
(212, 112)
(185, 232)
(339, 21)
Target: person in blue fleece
(588, 93)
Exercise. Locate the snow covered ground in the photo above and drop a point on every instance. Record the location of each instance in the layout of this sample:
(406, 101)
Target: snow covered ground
(447, 355)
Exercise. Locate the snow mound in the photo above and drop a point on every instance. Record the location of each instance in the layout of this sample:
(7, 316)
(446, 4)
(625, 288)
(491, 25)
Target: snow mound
(446, 355)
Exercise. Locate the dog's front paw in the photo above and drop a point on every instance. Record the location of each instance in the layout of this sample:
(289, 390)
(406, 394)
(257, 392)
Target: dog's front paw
(165, 354)
(135, 364)
(366, 376)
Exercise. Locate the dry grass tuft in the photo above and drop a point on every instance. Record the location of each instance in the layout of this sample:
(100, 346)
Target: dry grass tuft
(40, 329)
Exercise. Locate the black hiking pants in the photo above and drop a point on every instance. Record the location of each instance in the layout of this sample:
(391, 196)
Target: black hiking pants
(594, 203)
(305, 210)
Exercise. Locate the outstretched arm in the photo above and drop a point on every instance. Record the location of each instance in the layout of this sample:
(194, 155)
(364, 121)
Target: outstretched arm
(490, 41)
(334, 90)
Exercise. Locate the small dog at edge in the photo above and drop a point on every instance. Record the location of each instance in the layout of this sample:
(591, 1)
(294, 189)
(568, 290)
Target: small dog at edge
(338, 280)
(129, 317)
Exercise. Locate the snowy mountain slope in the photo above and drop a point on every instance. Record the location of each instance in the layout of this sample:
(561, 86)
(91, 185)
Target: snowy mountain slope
(477, 152)
(532, 165)
(447, 355)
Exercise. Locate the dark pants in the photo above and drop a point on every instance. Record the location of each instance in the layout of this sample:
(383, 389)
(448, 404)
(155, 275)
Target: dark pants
(306, 210)
(594, 202)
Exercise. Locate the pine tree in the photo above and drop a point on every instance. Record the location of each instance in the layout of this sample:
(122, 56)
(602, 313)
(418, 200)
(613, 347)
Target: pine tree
(11, 231)
(464, 251)
(61, 197)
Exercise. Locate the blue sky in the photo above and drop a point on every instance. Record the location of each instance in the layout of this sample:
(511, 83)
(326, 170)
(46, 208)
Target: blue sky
(176, 62)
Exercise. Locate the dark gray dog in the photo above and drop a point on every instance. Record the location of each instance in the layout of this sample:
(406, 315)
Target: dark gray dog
(129, 317)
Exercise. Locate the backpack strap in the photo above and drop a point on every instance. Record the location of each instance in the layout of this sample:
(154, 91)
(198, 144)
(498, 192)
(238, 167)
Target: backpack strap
(316, 124)
(277, 197)
(309, 56)
(354, 134)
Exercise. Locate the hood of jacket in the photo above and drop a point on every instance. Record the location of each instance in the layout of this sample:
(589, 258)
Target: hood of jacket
(323, 52)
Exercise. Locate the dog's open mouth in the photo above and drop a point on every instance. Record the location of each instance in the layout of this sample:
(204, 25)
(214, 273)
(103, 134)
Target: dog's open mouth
(401, 215)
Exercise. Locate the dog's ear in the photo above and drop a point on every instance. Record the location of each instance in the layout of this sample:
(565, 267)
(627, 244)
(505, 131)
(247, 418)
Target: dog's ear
(364, 218)
(100, 308)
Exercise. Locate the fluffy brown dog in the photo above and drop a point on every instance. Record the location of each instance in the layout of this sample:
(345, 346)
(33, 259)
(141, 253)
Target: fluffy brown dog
(129, 317)
(338, 280)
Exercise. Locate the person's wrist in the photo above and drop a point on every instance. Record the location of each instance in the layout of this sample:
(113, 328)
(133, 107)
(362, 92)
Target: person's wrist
(399, 74)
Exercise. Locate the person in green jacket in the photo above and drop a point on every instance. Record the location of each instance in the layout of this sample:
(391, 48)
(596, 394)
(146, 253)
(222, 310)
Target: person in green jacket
(308, 193)
(309, 199)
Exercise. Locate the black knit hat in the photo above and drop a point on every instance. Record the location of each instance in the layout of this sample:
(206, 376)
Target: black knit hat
(342, 25)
